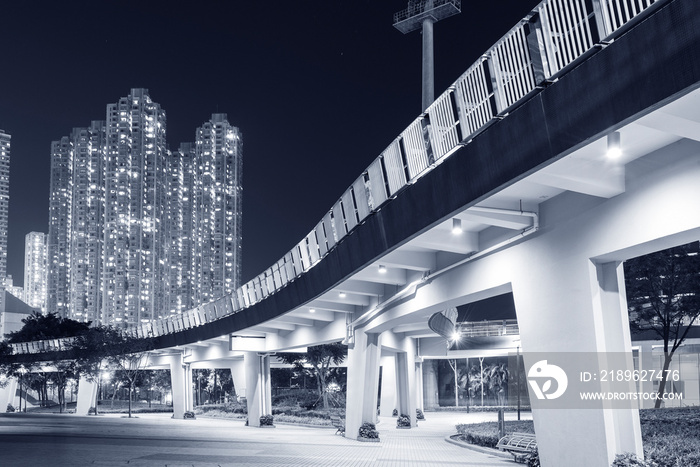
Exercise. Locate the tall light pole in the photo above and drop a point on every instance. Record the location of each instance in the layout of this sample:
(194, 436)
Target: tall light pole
(422, 14)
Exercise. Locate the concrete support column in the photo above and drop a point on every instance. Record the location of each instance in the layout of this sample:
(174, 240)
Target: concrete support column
(189, 388)
(238, 375)
(430, 384)
(179, 383)
(572, 304)
(387, 403)
(7, 394)
(624, 432)
(258, 390)
(406, 381)
(419, 384)
(87, 391)
(363, 376)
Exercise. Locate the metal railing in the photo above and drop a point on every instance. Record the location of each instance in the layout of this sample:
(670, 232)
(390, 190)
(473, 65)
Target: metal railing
(417, 7)
(506, 327)
(540, 47)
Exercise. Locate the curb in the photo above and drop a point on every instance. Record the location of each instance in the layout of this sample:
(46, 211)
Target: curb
(481, 449)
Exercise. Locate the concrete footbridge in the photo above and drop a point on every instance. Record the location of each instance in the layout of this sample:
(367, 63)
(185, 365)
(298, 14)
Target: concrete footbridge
(571, 145)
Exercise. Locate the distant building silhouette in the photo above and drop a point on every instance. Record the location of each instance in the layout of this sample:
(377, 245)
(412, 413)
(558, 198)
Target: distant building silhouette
(35, 270)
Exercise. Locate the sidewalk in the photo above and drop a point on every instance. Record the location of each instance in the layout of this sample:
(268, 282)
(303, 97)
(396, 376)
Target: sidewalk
(157, 440)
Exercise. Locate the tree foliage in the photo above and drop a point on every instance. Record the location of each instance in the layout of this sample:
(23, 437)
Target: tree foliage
(108, 346)
(50, 326)
(663, 296)
(318, 360)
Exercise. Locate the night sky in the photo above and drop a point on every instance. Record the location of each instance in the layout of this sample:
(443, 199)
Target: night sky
(318, 88)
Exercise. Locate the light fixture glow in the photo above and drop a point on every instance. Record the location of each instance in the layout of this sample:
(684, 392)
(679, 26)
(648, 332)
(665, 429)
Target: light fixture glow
(614, 150)
(456, 226)
(312, 310)
(456, 335)
(342, 294)
(382, 269)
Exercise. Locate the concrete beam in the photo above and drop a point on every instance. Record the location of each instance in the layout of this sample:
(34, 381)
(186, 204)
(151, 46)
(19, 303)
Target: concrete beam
(445, 240)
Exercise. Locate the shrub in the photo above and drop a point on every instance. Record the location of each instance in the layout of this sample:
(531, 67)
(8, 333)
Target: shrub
(486, 434)
(229, 407)
(419, 415)
(10, 408)
(297, 398)
(368, 430)
(403, 420)
(628, 459)
(188, 414)
(266, 420)
(533, 460)
(394, 413)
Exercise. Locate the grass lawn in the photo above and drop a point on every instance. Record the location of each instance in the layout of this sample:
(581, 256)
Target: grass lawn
(671, 437)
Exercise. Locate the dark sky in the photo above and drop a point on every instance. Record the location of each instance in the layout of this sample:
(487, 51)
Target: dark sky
(318, 88)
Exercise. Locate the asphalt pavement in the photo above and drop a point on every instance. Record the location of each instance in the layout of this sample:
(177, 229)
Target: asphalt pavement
(58, 440)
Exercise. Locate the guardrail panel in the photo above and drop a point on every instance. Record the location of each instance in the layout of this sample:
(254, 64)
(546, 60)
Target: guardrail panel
(359, 190)
(512, 68)
(289, 265)
(321, 242)
(282, 272)
(314, 251)
(349, 210)
(619, 12)
(566, 32)
(338, 221)
(393, 163)
(330, 236)
(413, 139)
(443, 126)
(474, 99)
(377, 183)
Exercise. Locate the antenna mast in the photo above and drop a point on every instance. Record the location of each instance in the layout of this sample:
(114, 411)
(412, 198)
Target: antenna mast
(423, 13)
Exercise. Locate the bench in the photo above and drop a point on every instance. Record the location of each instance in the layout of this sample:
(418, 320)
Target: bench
(339, 424)
(520, 445)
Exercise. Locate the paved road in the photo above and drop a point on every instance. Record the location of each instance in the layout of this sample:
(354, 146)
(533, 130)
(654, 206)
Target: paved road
(157, 440)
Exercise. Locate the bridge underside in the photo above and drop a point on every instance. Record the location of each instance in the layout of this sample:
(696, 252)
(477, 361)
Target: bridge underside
(545, 215)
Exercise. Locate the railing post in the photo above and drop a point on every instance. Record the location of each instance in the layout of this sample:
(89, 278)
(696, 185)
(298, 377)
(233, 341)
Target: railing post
(602, 19)
(536, 43)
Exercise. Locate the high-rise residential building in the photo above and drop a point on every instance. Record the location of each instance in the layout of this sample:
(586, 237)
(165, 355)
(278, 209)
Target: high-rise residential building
(59, 242)
(217, 210)
(136, 232)
(135, 201)
(86, 220)
(4, 199)
(180, 228)
(35, 270)
(10, 287)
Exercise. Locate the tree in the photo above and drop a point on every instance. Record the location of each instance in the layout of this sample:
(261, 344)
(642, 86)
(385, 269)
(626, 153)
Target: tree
(663, 296)
(93, 350)
(39, 327)
(116, 348)
(65, 370)
(318, 360)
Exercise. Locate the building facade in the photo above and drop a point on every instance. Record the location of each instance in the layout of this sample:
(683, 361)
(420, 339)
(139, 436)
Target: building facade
(218, 209)
(137, 232)
(35, 269)
(134, 236)
(4, 199)
(60, 209)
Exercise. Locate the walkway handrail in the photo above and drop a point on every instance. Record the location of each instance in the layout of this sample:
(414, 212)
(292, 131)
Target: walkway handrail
(535, 52)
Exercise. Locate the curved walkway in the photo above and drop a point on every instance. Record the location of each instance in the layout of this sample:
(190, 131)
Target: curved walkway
(157, 440)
